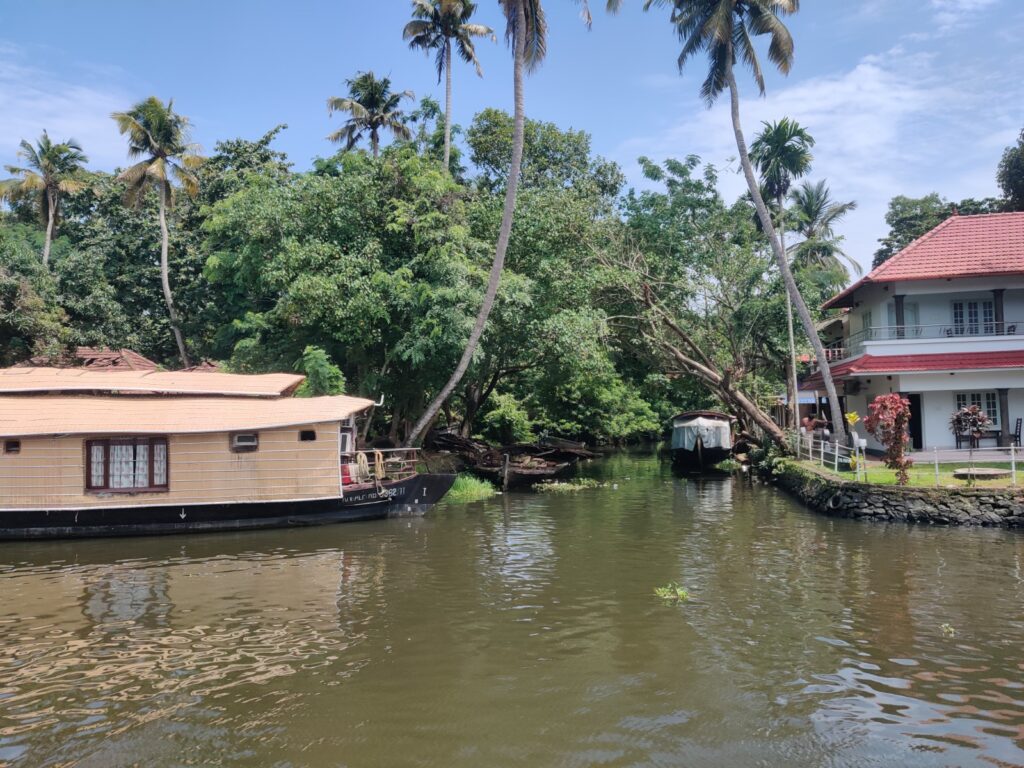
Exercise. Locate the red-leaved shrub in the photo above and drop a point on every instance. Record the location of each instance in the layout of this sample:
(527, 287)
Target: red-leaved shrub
(887, 423)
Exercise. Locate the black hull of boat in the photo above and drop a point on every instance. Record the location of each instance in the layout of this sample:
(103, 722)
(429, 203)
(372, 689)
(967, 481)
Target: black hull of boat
(699, 461)
(403, 497)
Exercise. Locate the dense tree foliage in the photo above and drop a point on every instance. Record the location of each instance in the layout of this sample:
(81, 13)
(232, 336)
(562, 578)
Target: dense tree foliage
(366, 274)
(1010, 175)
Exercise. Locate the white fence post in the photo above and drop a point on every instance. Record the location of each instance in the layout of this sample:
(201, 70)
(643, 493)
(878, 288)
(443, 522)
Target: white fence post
(1013, 464)
(835, 456)
(935, 452)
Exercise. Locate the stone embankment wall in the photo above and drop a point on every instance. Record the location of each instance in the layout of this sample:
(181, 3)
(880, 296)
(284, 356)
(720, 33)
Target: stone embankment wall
(945, 506)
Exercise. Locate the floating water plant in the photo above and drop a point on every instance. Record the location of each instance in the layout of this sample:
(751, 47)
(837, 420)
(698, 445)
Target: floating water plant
(672, 592)
(948, 630)
(468, 488)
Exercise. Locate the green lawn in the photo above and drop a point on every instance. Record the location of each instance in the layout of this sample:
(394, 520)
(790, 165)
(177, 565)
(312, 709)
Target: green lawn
(922, 475)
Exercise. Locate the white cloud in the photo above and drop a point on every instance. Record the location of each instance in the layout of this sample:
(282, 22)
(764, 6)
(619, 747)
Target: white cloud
(954, 13)
(896, 123)
(33, 99)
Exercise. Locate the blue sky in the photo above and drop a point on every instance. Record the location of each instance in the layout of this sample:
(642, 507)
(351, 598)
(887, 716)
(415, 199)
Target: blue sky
(903, 96)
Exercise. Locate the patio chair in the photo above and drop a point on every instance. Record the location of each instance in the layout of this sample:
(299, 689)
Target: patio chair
(1011, 330)
(1015, 437)
(966, 439)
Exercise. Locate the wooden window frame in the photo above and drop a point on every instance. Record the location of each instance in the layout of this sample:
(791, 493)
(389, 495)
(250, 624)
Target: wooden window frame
(106, 442)
(12, 447)
(307, 435)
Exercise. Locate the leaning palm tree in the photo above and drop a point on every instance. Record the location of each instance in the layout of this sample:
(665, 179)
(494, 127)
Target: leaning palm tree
(372, 107)
(50, 171)
(724, 30)
(815, 215)
(160, 137)
(440, 25)
(782, 152)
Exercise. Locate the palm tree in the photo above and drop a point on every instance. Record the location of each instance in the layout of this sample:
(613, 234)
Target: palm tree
(782, 152)
(373, 107)
(723, 29)
(435, 26)
(160, 136)
(526, 30)
(50, 171)
(815, 215)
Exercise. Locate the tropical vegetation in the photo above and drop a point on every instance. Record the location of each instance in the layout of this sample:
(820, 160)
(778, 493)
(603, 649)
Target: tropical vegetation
(499, 281)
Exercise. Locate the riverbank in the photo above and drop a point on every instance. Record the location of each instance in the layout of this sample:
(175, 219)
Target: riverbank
(830, 495)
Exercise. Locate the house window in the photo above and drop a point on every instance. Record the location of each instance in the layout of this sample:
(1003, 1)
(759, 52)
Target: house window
(12, 446)
(972, 318)
(307, 435)
(126, 465)
(987, 401)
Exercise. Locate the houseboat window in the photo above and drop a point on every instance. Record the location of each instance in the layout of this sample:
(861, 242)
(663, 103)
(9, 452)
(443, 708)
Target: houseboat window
(245, 442)
(307, 435)
(345, 441)
(12, 446)
(126, 464)
(987, 401)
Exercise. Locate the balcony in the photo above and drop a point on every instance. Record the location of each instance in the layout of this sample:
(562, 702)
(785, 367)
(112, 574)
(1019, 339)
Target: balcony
(886, 339)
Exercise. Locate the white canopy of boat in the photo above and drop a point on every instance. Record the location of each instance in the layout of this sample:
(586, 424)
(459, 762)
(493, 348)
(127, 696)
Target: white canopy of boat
(714, 433)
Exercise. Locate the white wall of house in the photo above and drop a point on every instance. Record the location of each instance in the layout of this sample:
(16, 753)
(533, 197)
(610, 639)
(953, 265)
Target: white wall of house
(938, 399)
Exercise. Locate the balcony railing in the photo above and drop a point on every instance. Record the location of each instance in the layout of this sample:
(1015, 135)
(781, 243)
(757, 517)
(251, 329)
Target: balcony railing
(854, 345)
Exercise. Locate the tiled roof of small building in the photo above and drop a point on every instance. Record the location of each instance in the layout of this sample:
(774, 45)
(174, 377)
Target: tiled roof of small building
(961, 246)
(88, 380)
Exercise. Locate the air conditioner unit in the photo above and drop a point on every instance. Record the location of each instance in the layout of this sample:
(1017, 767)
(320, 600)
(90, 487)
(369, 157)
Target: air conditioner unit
(245, 441)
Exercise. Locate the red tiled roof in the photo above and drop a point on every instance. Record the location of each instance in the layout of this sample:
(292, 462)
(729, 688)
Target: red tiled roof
(961, 246)
(96, 359)
(949, 361)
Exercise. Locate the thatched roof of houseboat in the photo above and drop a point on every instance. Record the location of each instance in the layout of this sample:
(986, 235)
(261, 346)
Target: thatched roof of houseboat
(30, 380)
(80, 415)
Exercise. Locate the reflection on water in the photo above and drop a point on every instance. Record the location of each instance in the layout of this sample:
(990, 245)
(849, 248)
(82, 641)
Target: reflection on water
(523, 631)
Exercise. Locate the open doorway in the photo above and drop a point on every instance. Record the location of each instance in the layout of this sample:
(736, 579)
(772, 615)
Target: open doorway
(916, 422)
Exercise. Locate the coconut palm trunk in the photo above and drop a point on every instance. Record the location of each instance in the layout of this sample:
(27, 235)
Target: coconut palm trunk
(794, 386)
(165, 280)
(505, 233)
(838, 426)
(448, 106)
(51, 218)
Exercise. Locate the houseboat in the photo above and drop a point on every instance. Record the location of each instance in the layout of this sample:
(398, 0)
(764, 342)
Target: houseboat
(126, 452)
(701, 439)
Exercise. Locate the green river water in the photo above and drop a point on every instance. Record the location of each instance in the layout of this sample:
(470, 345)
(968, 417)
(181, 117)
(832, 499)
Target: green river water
(523, 631)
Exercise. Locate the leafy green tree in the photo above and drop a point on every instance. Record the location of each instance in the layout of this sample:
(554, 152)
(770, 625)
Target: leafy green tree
(372, 107)
(724, 30)
(160, 136)
(374, 264)
(526, 29)
(1011, 175)
(782, 152)
(551, 156)
(439, 26)
(50, 172)
(689, 281)
(909, 218)
(31, 322)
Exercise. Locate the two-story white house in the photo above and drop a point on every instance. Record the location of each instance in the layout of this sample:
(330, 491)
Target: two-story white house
(941, 322)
